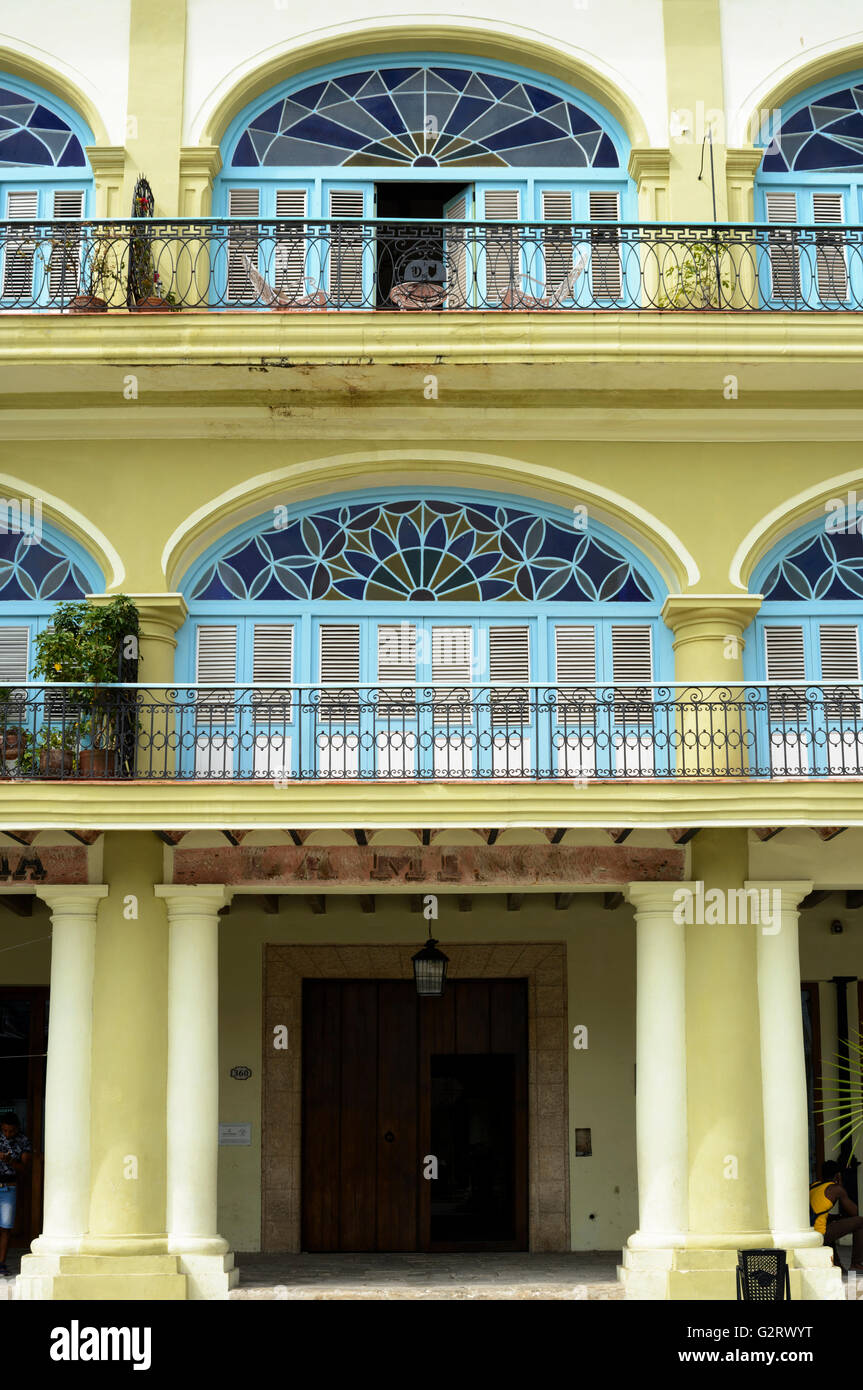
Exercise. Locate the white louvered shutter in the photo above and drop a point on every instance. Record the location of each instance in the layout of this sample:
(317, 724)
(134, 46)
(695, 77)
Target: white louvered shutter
(831, 269)
(509, 665)
(272, 664)
(397, 665)
(216, 665)
(840, 661)
(65, 264)
(785, 660)
(21, 206)
(242, 242)
(502, 254)
(340, 665)
(557, 241)
(346, 247)
(631, 662)
(575, 670)
(784, 256)
(606, 278)
(452, 652)
(290, 260)
(14, 670)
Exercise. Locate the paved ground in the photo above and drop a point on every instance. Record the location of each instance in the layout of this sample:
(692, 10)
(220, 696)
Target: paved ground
(576, 1276)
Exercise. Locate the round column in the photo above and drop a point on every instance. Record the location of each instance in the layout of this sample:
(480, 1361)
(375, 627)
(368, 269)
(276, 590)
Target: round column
(660, 1100)
(67, 1089)
(783, 1067)
(193, 1067)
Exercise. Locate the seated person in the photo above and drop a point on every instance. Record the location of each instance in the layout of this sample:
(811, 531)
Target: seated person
(14, 1158)
(823, 1196)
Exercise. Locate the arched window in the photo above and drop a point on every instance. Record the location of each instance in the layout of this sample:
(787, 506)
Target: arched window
(420, 139)
(812, 174)
(807, 639)
(39, 567)
(406, 593)
(44, 176)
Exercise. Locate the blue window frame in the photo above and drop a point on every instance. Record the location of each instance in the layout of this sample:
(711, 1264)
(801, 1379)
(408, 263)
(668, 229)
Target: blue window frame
(449, 590)
(808, 632)
(44, 176)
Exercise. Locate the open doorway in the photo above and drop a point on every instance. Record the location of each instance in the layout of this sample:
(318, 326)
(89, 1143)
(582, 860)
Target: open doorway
(411, 253)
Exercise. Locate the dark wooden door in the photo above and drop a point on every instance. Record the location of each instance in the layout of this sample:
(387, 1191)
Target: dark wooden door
(23, 1048)
(375, 1057)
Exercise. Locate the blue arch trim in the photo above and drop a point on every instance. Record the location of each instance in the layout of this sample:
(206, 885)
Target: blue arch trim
(38, 130)
(485, 116)
(450, 547)
(821, 561)
(821, 131)
(39, 565)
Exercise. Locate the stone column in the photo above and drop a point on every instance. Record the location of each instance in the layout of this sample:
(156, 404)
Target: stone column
(67, 1090)
(783, 1068)
(696, 101)
(660, 1099)
(193, 1087)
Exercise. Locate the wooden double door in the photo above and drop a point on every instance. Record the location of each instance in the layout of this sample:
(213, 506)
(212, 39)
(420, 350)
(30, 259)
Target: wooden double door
(414, 1116)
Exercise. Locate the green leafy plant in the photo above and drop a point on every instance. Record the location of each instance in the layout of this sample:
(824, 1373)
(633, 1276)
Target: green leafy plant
(842, 1106)
(696, 277)
(87, 643)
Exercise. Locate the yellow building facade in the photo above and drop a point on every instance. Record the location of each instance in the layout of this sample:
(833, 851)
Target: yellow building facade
(593, 469)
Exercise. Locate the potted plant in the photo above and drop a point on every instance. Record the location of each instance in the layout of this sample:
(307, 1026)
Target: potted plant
(145, 282)
(85, 648)
(13, 738)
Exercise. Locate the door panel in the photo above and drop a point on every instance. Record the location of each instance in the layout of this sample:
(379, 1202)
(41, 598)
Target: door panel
(321, 1113)
(397, 1116)
(359, 1129)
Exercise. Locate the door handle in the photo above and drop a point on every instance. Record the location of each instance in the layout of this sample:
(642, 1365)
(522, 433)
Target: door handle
(389, 1136)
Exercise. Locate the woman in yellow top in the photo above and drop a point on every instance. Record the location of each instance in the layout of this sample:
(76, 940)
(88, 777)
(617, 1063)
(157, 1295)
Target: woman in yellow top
(823, 1196)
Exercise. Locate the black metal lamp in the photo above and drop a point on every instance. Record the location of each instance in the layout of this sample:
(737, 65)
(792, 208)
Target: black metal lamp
(430, 969)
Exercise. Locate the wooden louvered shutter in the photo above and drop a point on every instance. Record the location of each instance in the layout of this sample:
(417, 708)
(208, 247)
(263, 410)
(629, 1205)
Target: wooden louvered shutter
(784, 257)
(557, 241)
(242, 241)
(575, 670)
(631, 662)
(509, 665)
(21, 206)
(290, 260)
(455, 251)
(831, 269)
(502, 254)
(14, 670)
(452, 652)
(346, 247)
(65, 264)
(272, 664)
(216, 664)
(340, 665)
(785, 660)
(840, 661)
(606, 279)
(397, 665)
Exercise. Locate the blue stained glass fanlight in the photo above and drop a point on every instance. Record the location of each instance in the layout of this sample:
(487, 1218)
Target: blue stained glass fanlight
(824, 566)
(423, 550)
(826, 136)
(448, 117)
(31, 569)
(32, 135)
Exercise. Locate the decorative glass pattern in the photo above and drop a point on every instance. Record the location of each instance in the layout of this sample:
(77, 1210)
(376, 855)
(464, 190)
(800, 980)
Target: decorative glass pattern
(37, 570)
(824, 566)
(421, 551)
(825, 137)
(433, 116)
(31, 134)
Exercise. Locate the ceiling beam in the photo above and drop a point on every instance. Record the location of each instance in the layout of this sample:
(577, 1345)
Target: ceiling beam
(233, 837)
(766, 832)
(558, 835)
(513, 902)
(682, 837)
(318, 903)
(853, 899)
(298, 836)
(361, 837)
(814, 898)
(426, 835)
(20, 904)
(85, 837)
(612, 901)
(170, 837)
(829, 832)
(562, 901)
(272, 902)
(367, 902)
(618, 836)
(491, 836)
(465, 903)
(22, 837)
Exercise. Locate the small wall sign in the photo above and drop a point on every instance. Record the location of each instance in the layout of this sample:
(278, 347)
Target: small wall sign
(241, 1073)
(235, 1134)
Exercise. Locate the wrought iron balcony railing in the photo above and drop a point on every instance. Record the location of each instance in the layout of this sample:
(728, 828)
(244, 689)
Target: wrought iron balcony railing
(386, 733)
(315, 266)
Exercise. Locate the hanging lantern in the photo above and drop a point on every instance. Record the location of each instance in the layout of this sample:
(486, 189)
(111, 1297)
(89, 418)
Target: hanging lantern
(430, 969)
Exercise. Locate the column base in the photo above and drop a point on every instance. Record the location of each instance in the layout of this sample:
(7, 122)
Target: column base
(208, 1276)
(93, 1278)
(709, 1274)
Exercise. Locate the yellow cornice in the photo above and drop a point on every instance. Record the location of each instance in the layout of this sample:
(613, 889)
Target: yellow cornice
(743, 163)
(107, 159)
(328, 805)
(653, 163)
(200, 161)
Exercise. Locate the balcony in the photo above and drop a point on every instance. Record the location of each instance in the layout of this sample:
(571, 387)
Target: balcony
(424, 734)
(427, 267)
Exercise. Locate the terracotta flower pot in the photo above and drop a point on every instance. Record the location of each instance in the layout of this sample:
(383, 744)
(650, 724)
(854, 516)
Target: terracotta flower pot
(96, 762)
(55, 761)
(151, 305)
(88, 304)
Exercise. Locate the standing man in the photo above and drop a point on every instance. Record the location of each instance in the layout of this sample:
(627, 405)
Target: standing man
(15, 1149)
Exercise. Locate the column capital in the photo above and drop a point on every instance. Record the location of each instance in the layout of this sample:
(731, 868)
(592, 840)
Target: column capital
(696, 617)
(658, 898)
(793, 890)
(106, 160)
(743, 162)
(652, 163)
(72, 898)
(194, 899)
(200, 161)
(160, 615)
